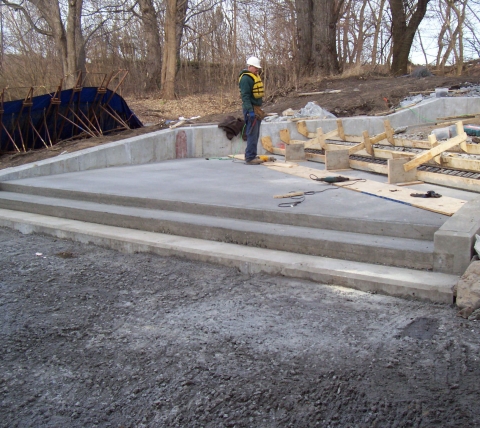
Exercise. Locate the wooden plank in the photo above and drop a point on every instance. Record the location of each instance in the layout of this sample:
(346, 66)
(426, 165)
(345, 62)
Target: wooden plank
(313, 144)
(332, 91)
(321, 139)
(268, 146)
(473, 149)
(288, 195)
(331, 134)
(314, 157)
(444, 205)
(448, 122)
(178, 124)
(378, 168)
(389, 132)
(464, 116)
(302, 130)
(429, 154)
(267, 143)
(464, 164)
(356, 148)
(379, 137)
(455, 182)
(281, 164)
(410, 183)
(349, 138)
(368, 144)
(341, 131)
(285, 135)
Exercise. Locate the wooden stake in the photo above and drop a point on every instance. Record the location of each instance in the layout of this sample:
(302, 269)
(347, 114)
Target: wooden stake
(389, 132)
(321, 138)
(341, 132)
(367, 142)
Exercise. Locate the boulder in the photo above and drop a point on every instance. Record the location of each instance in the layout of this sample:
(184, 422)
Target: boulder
(468, 287)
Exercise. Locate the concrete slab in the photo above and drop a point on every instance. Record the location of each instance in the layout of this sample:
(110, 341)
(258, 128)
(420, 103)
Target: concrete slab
(167, 170)
(232, 183)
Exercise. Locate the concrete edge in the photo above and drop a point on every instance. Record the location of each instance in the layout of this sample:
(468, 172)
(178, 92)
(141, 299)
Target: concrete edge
(455, 239)
(399, 282)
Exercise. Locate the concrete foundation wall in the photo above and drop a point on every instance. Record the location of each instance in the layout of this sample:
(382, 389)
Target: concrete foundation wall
(453, 242)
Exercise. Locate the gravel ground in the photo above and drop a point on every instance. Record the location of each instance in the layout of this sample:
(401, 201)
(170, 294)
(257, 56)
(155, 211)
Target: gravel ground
(93, 337)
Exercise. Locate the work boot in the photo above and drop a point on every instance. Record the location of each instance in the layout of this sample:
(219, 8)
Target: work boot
(254, 161)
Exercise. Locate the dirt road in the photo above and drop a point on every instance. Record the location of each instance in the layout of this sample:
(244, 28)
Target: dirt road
(92, 337)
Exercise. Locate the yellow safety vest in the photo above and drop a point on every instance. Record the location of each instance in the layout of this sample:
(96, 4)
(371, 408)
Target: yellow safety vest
(257, 91)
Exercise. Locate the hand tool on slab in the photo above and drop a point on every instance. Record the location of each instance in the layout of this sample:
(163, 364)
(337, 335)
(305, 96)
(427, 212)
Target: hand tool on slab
(296, 194)
(266, 158)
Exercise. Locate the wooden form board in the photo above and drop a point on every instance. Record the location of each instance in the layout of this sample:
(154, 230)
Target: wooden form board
(317, 139)
(268, 146)
(437, 150)
(444, 205)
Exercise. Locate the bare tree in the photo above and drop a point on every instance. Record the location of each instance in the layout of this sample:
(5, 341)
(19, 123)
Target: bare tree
(153, 60)
(406, 17)
(67, 35)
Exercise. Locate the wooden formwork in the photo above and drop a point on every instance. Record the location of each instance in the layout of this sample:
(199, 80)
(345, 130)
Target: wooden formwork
(452, 153)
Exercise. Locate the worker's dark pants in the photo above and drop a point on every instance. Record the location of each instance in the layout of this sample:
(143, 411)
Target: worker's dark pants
(252, 129)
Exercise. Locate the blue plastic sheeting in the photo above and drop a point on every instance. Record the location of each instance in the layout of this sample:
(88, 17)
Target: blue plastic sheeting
(90, 111)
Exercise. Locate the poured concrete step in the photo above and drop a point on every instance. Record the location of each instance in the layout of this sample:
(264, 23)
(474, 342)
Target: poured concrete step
(393, 281)
(411, 230)
(359, 247)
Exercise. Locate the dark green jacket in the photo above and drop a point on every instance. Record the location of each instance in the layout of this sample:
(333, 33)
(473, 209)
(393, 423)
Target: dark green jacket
(246, 92)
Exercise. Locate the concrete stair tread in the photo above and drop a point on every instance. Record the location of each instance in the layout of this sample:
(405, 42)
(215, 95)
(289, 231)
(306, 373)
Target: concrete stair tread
(281, 216)
(227, 224)
(362, 276)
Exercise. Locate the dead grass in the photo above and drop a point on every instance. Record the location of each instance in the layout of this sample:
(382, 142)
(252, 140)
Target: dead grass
(155, 110)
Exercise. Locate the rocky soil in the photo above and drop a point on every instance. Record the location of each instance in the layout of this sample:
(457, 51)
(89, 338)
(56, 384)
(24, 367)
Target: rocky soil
(92, 337)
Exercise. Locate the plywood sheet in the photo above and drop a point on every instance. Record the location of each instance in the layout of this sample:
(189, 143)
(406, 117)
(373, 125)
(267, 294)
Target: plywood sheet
(444, 205)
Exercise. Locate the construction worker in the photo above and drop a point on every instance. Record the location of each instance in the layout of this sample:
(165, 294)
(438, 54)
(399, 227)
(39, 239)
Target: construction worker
(251, 91)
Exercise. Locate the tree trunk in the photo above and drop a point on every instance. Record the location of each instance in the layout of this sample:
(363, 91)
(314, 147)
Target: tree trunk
(304, 10)
(181, 15)
(169, 52)
(403, 33)
(324, 47)
(316, 32)
(153, 59)
(378, 26)
(75, 42)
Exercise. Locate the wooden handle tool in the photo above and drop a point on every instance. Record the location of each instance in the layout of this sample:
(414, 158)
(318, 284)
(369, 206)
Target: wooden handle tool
(288, 195)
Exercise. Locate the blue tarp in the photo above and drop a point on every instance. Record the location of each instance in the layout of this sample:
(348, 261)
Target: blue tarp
(88, 109)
